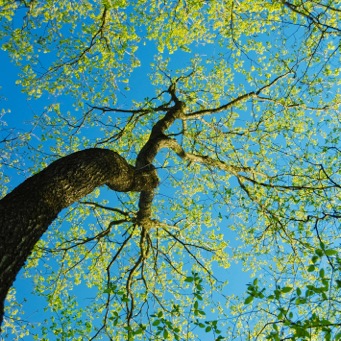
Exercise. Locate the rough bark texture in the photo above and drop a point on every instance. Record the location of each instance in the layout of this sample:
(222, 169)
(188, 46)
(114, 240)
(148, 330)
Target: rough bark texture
(157, 140)
(29, 209)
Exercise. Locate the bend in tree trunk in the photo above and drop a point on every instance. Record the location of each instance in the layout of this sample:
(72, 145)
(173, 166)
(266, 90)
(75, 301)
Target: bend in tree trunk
(29, 209)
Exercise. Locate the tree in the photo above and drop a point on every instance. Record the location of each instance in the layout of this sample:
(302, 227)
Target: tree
(238, 140)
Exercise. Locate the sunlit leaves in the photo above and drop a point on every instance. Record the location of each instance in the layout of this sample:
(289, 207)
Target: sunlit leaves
(272, 68)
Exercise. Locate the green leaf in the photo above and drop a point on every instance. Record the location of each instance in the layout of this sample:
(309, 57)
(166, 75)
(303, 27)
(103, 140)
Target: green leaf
(331, 252)
(248, 300)
(196, 305)
(156, 322)
(138, 331)
(199, 297)
(311, 268)
(322, 273)
(286, 289)
(319, 252)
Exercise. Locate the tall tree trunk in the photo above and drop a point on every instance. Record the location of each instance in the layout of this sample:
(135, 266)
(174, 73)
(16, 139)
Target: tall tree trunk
(29, 209)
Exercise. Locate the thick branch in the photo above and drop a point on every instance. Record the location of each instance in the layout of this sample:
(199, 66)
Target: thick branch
(29, 209)
(147, 154)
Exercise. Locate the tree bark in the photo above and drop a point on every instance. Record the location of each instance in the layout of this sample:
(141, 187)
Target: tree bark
(29, 209)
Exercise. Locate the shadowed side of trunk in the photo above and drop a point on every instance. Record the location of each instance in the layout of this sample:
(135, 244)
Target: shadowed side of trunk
(29, 209)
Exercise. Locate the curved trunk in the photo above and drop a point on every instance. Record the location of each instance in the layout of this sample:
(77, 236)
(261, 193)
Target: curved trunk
(29, 209)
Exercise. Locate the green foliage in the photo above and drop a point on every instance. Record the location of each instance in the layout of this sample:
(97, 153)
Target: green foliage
(257, 184)
(300, 310)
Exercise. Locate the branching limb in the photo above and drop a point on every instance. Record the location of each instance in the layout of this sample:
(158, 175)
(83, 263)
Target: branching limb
(144, 250)
(235, 101)
(96, 205)
(109, 294)
(186, 247)
(313, 19)
(147, 154)
(78, 242)
(206, 160)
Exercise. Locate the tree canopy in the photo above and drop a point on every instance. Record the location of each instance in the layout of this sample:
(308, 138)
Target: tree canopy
(235, 104)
